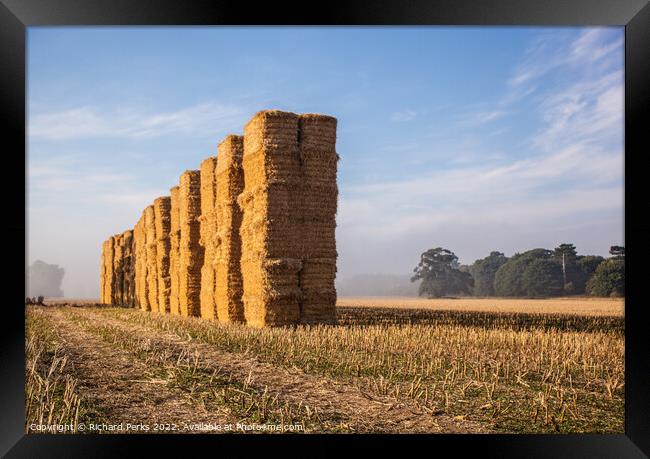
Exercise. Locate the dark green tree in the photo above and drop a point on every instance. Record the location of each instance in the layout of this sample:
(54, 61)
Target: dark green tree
(483, 272)
(543, 277)
(566, 254)
(585, 268)
(509, 278)
(609, 278)
(440, 274)
(617, 251)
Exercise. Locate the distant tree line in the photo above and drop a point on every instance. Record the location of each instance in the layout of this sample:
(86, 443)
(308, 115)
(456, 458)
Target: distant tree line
(535, 273)
(44, 279)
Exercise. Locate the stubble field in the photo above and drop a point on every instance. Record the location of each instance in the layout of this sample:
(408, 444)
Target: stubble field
(390, 365)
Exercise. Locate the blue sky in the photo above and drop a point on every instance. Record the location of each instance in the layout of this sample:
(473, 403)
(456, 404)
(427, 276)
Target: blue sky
(473, 139)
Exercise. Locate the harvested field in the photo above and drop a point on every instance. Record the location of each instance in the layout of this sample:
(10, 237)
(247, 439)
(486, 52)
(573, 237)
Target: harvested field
(459, 371)
(576, 305)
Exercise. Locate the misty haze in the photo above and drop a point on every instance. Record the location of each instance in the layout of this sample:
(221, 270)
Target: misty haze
(44, 280)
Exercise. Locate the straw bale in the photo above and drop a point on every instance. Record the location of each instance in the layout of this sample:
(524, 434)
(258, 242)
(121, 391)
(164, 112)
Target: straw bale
(207, 308)
(317, 143)
(124, 269)
(128, 269)
(116, 284)
(101, 274)
(106, 261)
(110, 272)
(151, 249)
(208, 232)
(317, 280)
(270, 128)
(228, 217)
(162, 210)
(190, 250)
(141, 287)
(136, 265)
(174, 238)
(271, 219)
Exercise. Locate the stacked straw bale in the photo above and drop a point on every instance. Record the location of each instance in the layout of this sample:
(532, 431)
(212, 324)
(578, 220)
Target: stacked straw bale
(272, 220)
(108, 280)
(118, 278)
(191, 252)
(128, 269)
(151, 249)
(102, 262)
(110, 271)
(207, 237)
(103, 290)
(141, 289)
(162, 217)
(174, 238)
(117, 270)
(102, 272)
(289, 204)
(319, 201)
(230, 184)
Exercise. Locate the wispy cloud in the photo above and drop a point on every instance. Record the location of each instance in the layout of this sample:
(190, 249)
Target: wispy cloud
(89, 122)
(63, 183)
(594, 46)
(403, 115)
(589, 112)
(477, 118)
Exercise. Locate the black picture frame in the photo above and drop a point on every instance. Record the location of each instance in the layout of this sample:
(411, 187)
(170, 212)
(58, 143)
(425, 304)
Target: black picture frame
(17, 15)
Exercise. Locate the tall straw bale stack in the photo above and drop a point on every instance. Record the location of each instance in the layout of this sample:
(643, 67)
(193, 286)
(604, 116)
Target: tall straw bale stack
(162, 217)
(110, 272)
(320, 194)
(101, 274)
(103, 290)
(272, 220)
(128, 269)
(230, 184)
(141, 288)
(191, 252)
(174, 238)
(118, 278)
(152, 258)
(102, 262)
(207, 237)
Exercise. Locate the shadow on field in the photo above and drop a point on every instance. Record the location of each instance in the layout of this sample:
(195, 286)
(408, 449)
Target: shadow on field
(372, 316)
(360, 316)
